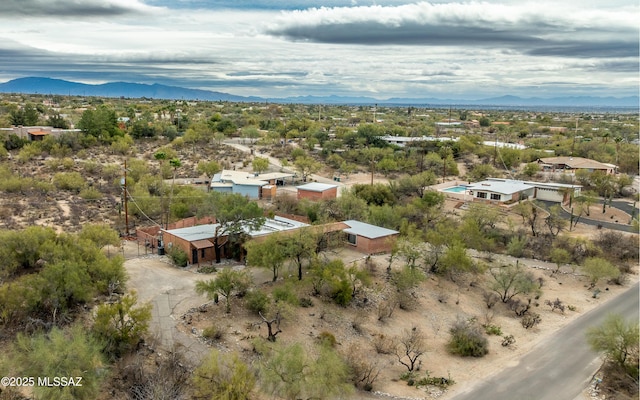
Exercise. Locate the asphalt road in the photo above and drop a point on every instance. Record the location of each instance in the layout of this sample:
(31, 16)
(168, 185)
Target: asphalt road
(560, 367)
(624, 206)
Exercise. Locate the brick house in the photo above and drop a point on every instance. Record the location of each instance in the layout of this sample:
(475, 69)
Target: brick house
(370, 239)
(317, 191)
(197, 241)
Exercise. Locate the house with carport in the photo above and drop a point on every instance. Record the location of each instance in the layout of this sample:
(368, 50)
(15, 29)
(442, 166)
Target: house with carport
(507, 191)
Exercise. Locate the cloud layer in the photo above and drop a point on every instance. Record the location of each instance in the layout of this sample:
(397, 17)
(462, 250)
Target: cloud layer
(391, 49)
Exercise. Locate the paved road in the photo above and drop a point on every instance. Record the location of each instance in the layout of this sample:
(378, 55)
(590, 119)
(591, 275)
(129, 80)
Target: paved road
(560, 367)
(583, 220)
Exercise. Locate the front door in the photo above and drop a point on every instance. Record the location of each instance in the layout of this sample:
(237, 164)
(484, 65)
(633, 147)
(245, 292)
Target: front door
(194, 256)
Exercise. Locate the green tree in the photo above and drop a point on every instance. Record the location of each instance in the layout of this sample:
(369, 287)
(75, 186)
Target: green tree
(511, 280)
(531, 169)
(208, 168)
(225, 283)
(100, 234)
(290, 372)
(618, 340)
(455, 260)
(555, 221)
(530, 213)
(260, 164)
(60, 353)
(268, 253)
(300, 246)
(378, 194)
(306, 166)
(597, 268)
(223, 377)
(121, 325)
(100, 123)
(481, 172)
(484, 215)
(234, 214)
(559, 256)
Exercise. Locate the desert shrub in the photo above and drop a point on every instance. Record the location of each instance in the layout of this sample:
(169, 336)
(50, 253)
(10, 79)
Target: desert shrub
(71, 181)
(364, 370)
(327, 339)
(618, 246)
(555, 305)
(493, 330)
(342, 293)
(508, 340)
(257, 301)
(518, 306)
(467, 340)
(178, 256)
(305, 302)
(530, 320)
(439, 381)
(490, 298)
(383, 344)
(516, 246)
(285, 294)
(213, 332)
(90, 193)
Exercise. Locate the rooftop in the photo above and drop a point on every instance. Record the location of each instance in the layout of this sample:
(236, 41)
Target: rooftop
(238, 178)
(576, 162)
(506, 186)
(317, 186)
(367, 230)
(207, 231)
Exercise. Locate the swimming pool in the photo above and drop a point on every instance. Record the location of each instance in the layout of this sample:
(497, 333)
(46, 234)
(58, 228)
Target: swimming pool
(455, 189)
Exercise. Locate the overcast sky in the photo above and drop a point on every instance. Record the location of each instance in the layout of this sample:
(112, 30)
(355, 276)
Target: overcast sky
(382, 48)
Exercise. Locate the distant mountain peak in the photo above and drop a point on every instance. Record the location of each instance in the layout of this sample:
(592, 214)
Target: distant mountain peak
(43, 85)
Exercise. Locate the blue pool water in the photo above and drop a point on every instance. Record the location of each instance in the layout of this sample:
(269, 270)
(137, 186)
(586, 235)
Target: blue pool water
(455, 189)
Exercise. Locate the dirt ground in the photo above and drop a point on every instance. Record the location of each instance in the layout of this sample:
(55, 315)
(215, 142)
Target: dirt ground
(439, 303)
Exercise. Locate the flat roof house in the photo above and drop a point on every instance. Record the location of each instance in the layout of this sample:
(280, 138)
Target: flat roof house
(370, 239)
(197, 241)
(572, 164)
(246, 183)
(500, 191)
(317, 191)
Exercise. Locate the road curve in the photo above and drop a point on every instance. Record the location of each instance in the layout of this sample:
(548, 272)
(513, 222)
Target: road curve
(560, 367)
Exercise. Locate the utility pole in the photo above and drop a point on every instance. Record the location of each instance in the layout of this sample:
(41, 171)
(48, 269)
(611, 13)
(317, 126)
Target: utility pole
(573, 143)
(372, 166)
(126, 195)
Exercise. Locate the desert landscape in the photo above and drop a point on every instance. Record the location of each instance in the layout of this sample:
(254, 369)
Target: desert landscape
(358, 328)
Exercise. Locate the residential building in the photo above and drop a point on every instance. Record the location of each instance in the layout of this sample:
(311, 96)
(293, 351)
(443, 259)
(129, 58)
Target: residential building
(370, 239)
(317, 191)
(567, 164)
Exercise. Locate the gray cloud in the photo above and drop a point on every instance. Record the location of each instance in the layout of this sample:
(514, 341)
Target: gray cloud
(522, 30)
(65, 8)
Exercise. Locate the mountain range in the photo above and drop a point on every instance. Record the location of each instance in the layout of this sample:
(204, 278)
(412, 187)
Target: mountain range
(36, 85)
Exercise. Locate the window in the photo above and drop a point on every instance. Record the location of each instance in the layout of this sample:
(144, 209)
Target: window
(351, 238)
(482, 195)
(495, 196)
(202, 253)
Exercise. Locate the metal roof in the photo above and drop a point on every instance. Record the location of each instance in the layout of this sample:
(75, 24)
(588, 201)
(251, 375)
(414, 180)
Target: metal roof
(367, 230)
(194, 233)
(506, 186)
(200, 233)
(317, 187)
